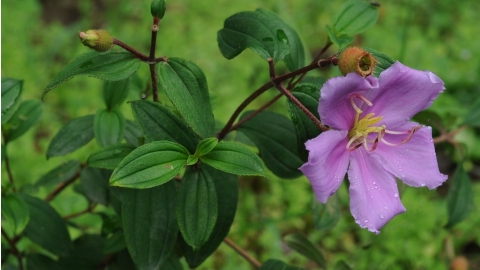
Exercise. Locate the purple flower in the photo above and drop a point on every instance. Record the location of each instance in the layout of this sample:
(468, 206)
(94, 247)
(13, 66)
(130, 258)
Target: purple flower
(372, 138)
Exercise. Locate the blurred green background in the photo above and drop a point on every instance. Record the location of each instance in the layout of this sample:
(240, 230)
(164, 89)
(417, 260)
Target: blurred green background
(39, 37)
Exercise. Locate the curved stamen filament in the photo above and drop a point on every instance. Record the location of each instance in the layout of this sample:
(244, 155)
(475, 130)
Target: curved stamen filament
(406, 139)
(355, 107)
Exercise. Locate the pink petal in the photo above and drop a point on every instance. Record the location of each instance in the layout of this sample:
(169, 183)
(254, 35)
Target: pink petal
(414, 162)
(327, 162)
(335, 108)
(403, 92)
(374, 198)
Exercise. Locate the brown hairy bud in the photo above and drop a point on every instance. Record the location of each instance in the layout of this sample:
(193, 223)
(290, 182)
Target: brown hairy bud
(354, 59)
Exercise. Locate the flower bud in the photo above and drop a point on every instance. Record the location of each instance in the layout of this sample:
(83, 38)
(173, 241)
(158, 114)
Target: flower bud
(354, 59)
(99, 40)
(157, 8)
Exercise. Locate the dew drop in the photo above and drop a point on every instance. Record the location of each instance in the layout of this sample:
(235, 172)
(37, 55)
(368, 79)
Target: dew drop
(366, 220)
(422, 184)
(386, 208)
(381, 216)
(395, 195)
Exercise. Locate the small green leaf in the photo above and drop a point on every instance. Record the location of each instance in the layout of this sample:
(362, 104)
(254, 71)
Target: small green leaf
(460, 197)
(109, 127)
(226, 187)
(326, 215)
(23, 119)
(95, 184)
(72, 136)
(150, 225)
(473, 116)
(157, 123)
(15, 212)
(115, 243)
(275, 137)
(133, 135)
(150, 165)
(186, 87)
(302, 245)
(383, 61)
(341, 41)
(192, 160)
(60, 174)
(355, 17)
(309, 96)
(109, 157)
(197, 207)
(260, 31)
(115, 93)
(11, 91)
(46, 228)
(278, 265)
(205, 146)
(342, 265)
(110, 66)
(234, 158)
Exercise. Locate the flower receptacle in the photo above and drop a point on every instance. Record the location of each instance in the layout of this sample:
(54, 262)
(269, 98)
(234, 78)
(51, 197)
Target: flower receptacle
(355, 59)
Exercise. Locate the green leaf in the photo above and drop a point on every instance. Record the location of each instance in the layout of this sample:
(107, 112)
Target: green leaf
(205, 146)
(277, 265)
(109, 127)
(15, 212)
(115, 93)
(109, 157)
(275, 138)
(11, 91)
(342, 265)
(460, 197)
(355, 17)
(72, 136)
(150, 225)
(115, 243)
(341, 41)
(95, 184)
(226, 187)
(46, 228)
(260, 31)
(186, 87)
(309, 96)
(197, 207)
(383, 61)
(150, 165)
(296, 58)
(59, 174)
(157, 123)
(36, 261)
(429, 118)
(110, 66)
(326, 215)
(23, 119)
(473, 116)
(87, 253)
(302, 245)
(234, 158)
(133, 135)
(192, 160)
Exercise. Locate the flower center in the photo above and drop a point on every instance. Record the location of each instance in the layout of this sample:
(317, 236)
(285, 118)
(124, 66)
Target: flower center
(365, 132)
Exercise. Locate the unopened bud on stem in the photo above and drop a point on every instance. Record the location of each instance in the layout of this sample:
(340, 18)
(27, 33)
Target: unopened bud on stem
(356, 60)
(157, 8)
(99, 40)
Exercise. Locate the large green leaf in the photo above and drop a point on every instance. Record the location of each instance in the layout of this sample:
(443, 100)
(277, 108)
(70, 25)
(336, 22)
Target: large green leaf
(109, 127)
(150, 225)
(110, 66)
(197, 207)
(59, 174)
(150, 165)
(109, 157)
(272, 264)
(158, 123)
(234, 158)
(72, 136)
(226, 187)
(15, 212)
(46, 228)
(23, 119)
(115, 93)
(260, 31)
(11, 91)
(308, 95)
(296, 58)
(460, 197)
(95, 184)
(275, 137)
(186, 87)
(355, 17)
(302, 245)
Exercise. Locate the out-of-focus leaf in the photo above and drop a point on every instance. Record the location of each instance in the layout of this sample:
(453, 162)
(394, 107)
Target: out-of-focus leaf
(95, 184)
(61, 173)
(355, 17)
(429, 118)
(109, 127)
(473, 117)
(278, 265)
(11, 91)
(302, 245)
(133, 135)
(115, 243)
(36, 261)
(150, 165)
(275, 137)
(150, 224)
(115, 92)
(326, 216)
(109, 157)
(72, 136)
(15, 212)
(23, 119)
(342, 265)
(186, 87)
(340, 40)
(110, 66)
(460, 197)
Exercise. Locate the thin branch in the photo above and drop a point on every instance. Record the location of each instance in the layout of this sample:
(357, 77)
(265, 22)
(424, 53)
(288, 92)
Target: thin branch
(88, 210)
(7, 163)
(448, 136)
(62, 186)
(151, 59)
(137, 54)
(243, 253)
(259, 110)
(15, 251)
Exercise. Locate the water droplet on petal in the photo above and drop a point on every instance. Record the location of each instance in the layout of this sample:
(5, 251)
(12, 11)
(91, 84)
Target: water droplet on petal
(395, 195)
(366, 220)
(422, 184)
(386, 208)
(381, 216)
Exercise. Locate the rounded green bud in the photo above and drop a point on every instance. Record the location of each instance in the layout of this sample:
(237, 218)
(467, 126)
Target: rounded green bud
(158, 8)
(99, 40)
(354, 59)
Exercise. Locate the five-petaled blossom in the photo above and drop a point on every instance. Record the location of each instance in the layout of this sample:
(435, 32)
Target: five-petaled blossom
(372, 138)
